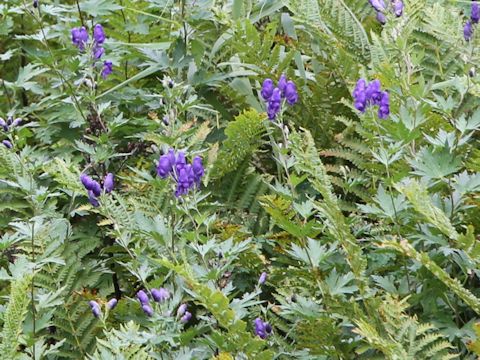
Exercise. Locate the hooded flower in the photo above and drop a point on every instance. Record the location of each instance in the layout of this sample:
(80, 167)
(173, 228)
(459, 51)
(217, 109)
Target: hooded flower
(93, 199)
(147, 309)
(95, 308)
(384, 106)
(468, 31)
(360, 95)
(381, 18)
(160, 295)
(181, 309)
(262, 329)
(475, 13)
(3, 124)
(107, 68)
(197, 168)
(291, 93)
(80, 37)
(108, 183)
(142, 297)
(112, 303)
(262, 278)
(7, 144)
(397, 7)
(186, 317)
(267, 89)
(282, 84)
(98, 34)
(378, 5)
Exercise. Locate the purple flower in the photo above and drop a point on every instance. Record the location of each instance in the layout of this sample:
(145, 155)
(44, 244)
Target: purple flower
(185, 180)
(160, 295)
(16, 122)
(267, 89)
(282, 84)
(35, 4)
(165, 164)
(397, 7)
(262, 278)
(262, 329)
(360, 96)
(98, 34)
(142, 297)
(374, 92)
(80, 37)
(186, 318)
(291, 93)
(87, 181)
(107, 68)
(384, 107)
(378, 5)
(180, 162)
(274, 104)
(468, 31)
(98, 52)
(147, 309)
(112, 303)
(475, 14)
(108, 183)
(165, 120)
(3, 124)
(7, 144)
(181, 310)
(198, 170)
(95, 308)
(381, 18)
(93, 199)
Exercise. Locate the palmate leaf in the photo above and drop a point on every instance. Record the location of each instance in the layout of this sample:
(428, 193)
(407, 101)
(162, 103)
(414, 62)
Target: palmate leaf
(435, 164)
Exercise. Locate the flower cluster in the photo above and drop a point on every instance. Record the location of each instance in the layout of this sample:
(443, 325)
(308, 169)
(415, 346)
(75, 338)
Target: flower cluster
(370, 94)
(80, 40)
(262, 328)
(474, 18)
(158, 295)
(96, 311)
(8, 125)
(396, 6)
(95, 189)
(186, 175)
(275, 95)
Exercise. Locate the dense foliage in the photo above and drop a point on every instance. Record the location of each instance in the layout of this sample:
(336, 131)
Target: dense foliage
(238, 179)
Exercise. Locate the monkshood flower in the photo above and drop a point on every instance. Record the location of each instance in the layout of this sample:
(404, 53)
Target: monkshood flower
(10, 123)
(80, 37)
(384, 106)
(186, 317)
(181, 310)
(7, 144)
(262, 278)
(187, 176)
(262, 328)
(112, 303)
(274, 96)
(99, 34)
(147, 309)
(94, 189)
(142, 297)
(365, 95)
(475, 12)
(35, 4)
(108, 183)
(378, 5)
(395, 6)
(95, 308)
(468, 31)
(160, 295)
(107, 69)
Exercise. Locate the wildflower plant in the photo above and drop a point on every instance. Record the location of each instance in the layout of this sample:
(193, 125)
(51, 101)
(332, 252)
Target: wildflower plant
(239, 180)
